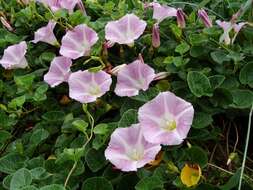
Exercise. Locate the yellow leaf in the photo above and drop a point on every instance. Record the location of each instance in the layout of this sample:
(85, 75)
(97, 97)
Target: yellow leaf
(190, 174)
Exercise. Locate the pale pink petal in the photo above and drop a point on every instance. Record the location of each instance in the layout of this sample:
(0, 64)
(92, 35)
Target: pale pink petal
(78, 42)
(162, 11)
(86, 86)
(68, 4)
(14, 56)
(56, 5)
(128, 150)
(134, 77)
(237, 28)
(59, 71)
(46, 34)
(227, 27)
(166, 119)
(125, 30)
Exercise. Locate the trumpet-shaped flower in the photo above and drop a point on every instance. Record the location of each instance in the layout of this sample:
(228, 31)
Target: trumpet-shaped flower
(78, 42)
(166, 119)
(86, 86)
(56, 5)
(125, 30)
(134, 77)
(59, 71)
(161, 12)
(205, 18)
(227, 27)
(128, 150)
(14, 56)
(46, 34)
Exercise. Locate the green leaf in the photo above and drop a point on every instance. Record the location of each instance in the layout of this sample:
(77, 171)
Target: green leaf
(37, 173)
(73, 154)
(95, 159)
(38, 136)
(176, 30)
(97, 183)
(180, 61)
(199, 84)
(5, 135)
(53, 187)
(80, 125)
(202, 120)
(242, 98)
(182, 48)
(128, 118)
(198, 39)
(222, 97)
(219, 56)
(147, 95)
(40, 93)
(53, 116)
(232, 182)
(17, 102)
(30, 187)
(197, 155)
(246, 74)
(11, 162)
(149, 183)
(216, 80)
(24, 82)
(21, 178)
(101, 129)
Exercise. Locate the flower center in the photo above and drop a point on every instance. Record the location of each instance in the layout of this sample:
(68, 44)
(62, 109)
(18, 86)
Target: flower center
(136, 154)
(170, 125)
(94, 90)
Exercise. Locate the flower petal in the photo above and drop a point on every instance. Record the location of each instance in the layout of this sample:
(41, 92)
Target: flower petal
(85, 86)
(59, 71)
(134, 77)
(162, 11)
(125, 30)
(78, 42)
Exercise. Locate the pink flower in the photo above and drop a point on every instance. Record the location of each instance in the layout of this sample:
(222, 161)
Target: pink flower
(125, 30)
(86, 86)
(56, 5)
(162, 11)
(59, 71)
(78, 42)
(180, 18)
(128, 150)
(205, 18)
(134, 77)
(156, 36)
(166, 119)
(227, 27)
(46, 34)
(14, 56)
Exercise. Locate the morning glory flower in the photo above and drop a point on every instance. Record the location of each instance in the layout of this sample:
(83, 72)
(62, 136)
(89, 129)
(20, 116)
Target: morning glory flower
(227, 27)
(46, 34)
(161, 12)
(128, 150)
(125, 30)
(166, 119)
(59, 71)
(14, 56)
(86, 86)
(134, 77)
(78, 42)
(156, 36)
(56, 5)
(202, 14)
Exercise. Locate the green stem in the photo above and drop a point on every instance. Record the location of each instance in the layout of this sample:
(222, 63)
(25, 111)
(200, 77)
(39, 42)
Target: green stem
(246, 148)
(70, 173)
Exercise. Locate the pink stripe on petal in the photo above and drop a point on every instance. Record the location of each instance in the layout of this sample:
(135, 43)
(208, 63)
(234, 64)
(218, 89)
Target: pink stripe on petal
(59, 71)
(78, 42)
(125, 30)
(134, 77)
(166, 119)
(86, 86)
(162, 12)
(14, 56)
(128, 150)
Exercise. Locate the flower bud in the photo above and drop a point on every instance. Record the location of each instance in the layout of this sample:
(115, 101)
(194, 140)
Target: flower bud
(205, 18)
